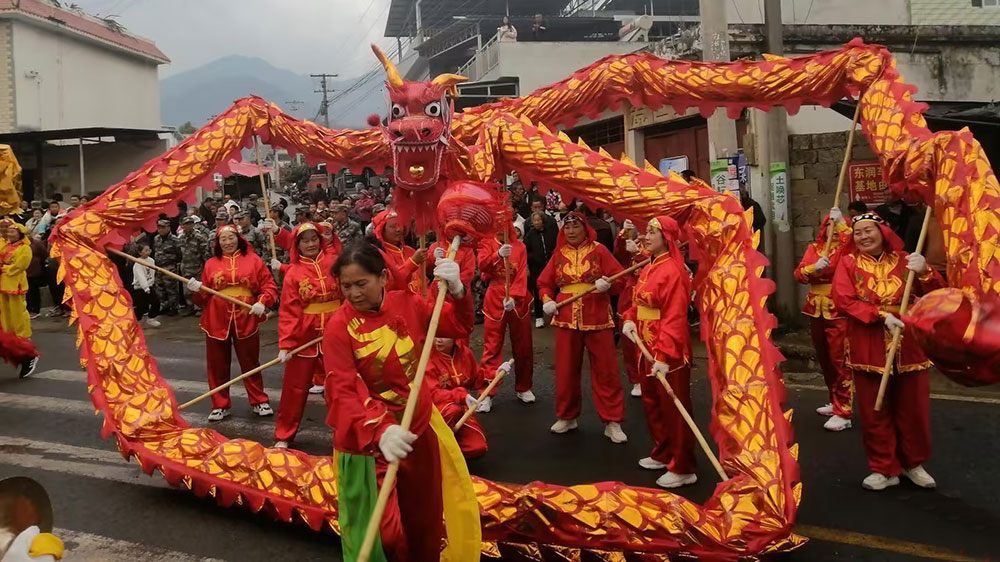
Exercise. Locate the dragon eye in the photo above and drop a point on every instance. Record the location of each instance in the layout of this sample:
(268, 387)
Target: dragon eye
(398, 111)
(433, 109)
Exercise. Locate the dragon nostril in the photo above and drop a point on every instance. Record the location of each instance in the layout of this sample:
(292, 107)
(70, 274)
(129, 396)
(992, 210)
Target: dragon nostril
(425, 132)
(399, 134)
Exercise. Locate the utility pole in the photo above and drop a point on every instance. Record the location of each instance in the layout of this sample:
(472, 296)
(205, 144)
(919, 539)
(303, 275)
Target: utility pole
(324, 109)
(715, 48)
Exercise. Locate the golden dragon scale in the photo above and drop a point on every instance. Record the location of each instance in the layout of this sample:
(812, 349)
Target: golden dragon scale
(751, 513)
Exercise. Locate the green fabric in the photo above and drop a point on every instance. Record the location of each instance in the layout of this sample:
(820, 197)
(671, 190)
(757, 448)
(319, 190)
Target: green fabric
(357, 491)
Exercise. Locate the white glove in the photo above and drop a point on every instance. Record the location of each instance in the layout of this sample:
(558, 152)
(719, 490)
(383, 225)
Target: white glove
(659, 369)
(504, 251)
(275, 264)
(448, 271)
(268, 224)
(508, 305)
(507, 367)
(438, 253)
(630, 331)
(470, 401)
(147, 290)
(836, 215)
(602, 285)
(193, 285)
(893, 323)
(821, 264)
(396, 443)
(550, 308)
(628, 225)
(631, 247)
(284, 355)
(916, 263)
(20, 547)
(258, 309)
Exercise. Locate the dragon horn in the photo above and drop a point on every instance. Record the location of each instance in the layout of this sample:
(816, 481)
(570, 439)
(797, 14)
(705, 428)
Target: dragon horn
(449, 81)
(392, 75)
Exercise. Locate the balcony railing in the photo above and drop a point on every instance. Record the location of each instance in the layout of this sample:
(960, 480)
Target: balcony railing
(485, 60)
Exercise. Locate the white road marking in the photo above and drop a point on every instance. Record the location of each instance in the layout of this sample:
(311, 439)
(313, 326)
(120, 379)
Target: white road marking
(87, 547)
(179, 385)
(78, 461)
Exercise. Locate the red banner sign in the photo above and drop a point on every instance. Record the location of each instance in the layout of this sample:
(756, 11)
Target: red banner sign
(867, 184)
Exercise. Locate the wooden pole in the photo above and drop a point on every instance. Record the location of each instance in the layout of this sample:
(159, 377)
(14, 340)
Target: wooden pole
(897, 334)
(251, 372)
(831, 228)
(173, 275)
(611, 279)
(482, 396)
(267, 200)
(506, 268)
(389, 480)
(423, 269)
(684, 413)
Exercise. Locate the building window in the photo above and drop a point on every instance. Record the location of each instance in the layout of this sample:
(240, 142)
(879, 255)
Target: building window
(601, 133)
(986, 3)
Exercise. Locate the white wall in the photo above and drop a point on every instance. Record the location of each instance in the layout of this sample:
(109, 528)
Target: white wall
(538, 64)
(866, 12)
(80, 84)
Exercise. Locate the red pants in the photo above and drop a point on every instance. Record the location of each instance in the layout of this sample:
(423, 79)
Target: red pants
(299, 376)
(470, 436)
(630, 354)
(218, 355)
(416, 498)
(898, 436)
(605, 384)
(520, 344)
(673, 441)
(828, 339)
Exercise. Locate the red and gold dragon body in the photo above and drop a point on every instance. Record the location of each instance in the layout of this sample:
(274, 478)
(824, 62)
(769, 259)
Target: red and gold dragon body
(751, 513)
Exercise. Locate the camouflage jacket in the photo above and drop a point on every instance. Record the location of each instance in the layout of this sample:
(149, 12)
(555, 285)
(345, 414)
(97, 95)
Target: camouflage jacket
(166, 251)
(258, 240)
(348, 232)
(195, 251)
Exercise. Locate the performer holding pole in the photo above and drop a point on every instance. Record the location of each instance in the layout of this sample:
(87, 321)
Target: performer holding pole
(15, 324)
(370, 352)
(309, 297)
(466, 258)
(657, 319)
(452, 376)
(236, 272)
(828, 326)
(868, 287)
(404, 263)
(630, 249)
(267, 199)
(581, 265)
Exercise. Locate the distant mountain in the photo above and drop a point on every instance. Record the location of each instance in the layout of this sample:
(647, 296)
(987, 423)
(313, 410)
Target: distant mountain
(198, 94)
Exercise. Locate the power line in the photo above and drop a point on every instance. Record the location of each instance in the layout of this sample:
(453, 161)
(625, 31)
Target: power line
(324, 108)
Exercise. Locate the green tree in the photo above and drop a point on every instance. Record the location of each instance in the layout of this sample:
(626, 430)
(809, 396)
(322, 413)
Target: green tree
(186, 128)
(297, 173)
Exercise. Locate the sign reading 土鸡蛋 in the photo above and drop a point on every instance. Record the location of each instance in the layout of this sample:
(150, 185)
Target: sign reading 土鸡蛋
(867, 184)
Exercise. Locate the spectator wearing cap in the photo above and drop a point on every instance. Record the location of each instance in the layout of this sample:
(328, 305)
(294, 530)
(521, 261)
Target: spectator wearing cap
(258, 241)
(167, 254)
(195, 251)
(347, 230)
(302, 215)
(222, 218)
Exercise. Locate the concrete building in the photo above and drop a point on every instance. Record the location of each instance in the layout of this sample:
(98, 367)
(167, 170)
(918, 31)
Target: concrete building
(79, 98)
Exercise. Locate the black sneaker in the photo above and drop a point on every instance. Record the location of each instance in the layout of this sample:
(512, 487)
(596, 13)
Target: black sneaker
(28, 367)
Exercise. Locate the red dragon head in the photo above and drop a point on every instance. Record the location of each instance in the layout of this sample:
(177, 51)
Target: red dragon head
(419, 125)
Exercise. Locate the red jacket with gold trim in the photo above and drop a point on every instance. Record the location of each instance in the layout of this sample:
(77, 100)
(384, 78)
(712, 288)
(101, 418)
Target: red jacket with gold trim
(310, 294)
(452, 377)
(659, 310)
(571, 271)
(819, 302)
(492, 269)
(244, 277)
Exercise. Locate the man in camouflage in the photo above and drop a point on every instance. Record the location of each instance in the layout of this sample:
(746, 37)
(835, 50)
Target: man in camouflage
(195, 251)
(221, 219)
(347, 230)
(167, 254)
(257, 239)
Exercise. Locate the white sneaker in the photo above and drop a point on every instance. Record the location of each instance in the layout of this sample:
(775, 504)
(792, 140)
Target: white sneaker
(877, 482)
(837, 423)
(263, 410)
(280, 444)
(539, 323)
(919, 476)
(562, 426)
(485, 406)
(316, 389)
(636, 390)
(218, 414)
(153, 323)
(613, 431)
(649, 463)
(527, 396)
(671, 480)
(825, 410)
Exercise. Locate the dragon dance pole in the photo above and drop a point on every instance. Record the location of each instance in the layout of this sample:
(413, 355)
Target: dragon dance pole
(611, 279)
(267, 200)
(843, 173)
(482, 396)
(389, 480)
(180, 278)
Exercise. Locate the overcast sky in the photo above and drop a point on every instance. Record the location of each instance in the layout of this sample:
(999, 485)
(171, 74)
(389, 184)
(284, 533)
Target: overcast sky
(304, 36)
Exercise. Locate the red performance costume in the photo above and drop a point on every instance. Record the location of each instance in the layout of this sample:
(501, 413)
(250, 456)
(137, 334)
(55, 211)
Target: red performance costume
(466, 259)
(452, 377)
(827, 324)
(630, 353)
(309, 297)
(867, 290)
(586, 323)
(405, 272)
(659, 311)
(227, 326)
(498, 321)
(370, 358)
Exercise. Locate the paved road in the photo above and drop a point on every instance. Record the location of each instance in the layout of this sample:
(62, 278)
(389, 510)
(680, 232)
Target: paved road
(107, 509)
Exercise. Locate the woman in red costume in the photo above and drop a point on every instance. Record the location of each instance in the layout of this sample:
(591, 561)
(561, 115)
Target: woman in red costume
(403, 262)
(828, 326)
(466, 258)
(309, 297)
(453, 376)
(658, 315)
(502, 314)
(580, 263)
(630, 251)
(868, 289)
(371, 349)
(237, 272)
